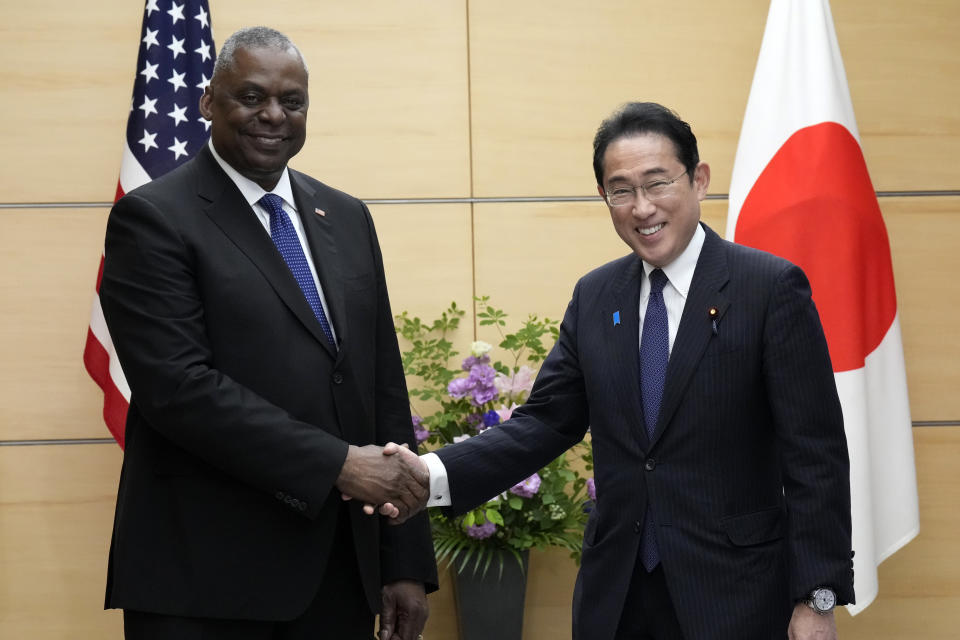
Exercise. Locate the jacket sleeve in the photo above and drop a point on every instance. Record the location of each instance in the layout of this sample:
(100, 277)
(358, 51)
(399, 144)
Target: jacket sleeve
(813, 447)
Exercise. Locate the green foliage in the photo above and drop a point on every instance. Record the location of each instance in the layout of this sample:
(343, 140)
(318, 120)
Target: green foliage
(553, 515)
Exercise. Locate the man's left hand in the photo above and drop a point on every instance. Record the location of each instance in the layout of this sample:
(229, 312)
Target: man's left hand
(807, 624)
(405, 610)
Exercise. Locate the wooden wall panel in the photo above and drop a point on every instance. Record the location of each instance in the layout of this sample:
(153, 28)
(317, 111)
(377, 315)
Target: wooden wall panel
(427, 256)
(56, 513)
(47, 281)
(542, 81)
(903, 67)
(388, 117)
(924, 236)
(70, 69)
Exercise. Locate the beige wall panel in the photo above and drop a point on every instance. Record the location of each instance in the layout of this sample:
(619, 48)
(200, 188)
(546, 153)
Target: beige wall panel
(920, 584)
(924, 235)
(47, 279)
(57, 512)
(542, 82)
(389, 86)
(903, 67)
(427, 256)
(71, 68)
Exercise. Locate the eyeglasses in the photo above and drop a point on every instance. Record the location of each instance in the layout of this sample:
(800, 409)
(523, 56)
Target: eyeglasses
(653, 190)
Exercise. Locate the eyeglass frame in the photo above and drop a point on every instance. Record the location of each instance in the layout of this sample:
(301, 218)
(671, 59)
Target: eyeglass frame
(643, 189)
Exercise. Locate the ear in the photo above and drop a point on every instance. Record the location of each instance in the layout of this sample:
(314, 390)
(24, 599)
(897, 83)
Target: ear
(206, 103)
(701, 180)
(603, 194)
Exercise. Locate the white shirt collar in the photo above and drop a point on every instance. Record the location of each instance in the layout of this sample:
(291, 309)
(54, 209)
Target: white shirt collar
(680, 271)
(252, 192)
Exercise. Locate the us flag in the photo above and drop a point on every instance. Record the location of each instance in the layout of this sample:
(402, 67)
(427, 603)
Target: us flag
(164, 129)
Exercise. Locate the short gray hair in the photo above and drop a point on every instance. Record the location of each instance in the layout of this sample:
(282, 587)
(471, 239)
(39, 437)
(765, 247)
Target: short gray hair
(254, 38)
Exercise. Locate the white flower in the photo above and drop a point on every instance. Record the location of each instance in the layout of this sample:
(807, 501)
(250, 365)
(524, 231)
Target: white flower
(479, 348)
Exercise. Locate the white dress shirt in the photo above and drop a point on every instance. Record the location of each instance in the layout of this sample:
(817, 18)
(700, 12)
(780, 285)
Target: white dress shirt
(252, 192)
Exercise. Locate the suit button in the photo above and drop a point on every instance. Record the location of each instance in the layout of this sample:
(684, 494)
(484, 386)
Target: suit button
(337, 378)
(279, 495)
(637, 527)
(287, 499)
(650, 464)
(303, 506)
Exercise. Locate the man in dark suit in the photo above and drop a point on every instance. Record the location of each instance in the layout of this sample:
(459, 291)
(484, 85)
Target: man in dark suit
(258, 341)
(701, 368)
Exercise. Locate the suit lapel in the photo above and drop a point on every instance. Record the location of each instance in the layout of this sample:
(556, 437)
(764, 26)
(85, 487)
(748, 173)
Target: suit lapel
(624, 339)
(231, 213)
(696, 325)
(323, 248)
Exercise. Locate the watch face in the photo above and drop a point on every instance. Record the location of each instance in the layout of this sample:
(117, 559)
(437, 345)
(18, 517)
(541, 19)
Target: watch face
(824, 599)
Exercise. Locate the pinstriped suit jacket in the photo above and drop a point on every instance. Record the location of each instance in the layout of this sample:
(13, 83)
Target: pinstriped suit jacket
(747, 472)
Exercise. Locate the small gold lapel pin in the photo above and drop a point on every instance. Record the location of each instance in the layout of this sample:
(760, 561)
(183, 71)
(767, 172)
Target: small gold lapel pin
(714, 314)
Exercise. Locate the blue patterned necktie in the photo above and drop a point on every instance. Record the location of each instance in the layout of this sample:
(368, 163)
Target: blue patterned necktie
(654, 354)
(284, 236)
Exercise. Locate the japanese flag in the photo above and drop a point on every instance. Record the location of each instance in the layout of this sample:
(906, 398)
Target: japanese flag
(800, 189)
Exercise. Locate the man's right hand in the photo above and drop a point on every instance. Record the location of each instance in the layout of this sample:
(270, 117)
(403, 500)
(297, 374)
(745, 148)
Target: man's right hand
(377, 476)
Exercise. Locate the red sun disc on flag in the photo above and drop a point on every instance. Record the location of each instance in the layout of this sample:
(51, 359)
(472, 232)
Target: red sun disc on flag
(814, 205)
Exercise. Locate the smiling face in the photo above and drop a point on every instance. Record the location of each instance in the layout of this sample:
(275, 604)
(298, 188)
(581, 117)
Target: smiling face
(657, 231)
(258, 111)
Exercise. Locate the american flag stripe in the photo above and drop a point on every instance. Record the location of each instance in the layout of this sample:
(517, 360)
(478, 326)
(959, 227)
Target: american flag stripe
(164, 129)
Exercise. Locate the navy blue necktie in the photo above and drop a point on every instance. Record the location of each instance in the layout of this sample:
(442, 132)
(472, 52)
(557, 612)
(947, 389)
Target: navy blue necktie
(654, 354)
(284, 236)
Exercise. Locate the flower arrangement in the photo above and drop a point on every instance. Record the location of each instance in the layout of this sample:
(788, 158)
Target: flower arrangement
(452, 404)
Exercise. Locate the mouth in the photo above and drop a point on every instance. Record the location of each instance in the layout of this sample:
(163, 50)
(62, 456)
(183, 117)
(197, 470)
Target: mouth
(649, 231)
(267, 141)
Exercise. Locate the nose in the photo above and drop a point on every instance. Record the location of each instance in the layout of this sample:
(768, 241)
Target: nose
(642, 207)
(272, 111)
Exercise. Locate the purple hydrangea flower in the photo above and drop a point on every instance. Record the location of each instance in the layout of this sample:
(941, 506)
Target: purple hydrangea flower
(483, 389)
(475, 420)
(591, 489)
(481, 531)
(419, 431)
(459, 387)
(528, 487)
(471, 361)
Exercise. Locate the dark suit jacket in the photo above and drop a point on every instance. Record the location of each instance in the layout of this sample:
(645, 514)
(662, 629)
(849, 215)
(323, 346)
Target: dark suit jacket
(746, 474)
(241, 412)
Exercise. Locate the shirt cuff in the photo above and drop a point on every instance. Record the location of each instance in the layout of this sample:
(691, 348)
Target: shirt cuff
(439, 484)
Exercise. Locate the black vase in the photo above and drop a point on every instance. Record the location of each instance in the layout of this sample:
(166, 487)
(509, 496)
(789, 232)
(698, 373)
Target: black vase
(490, 607)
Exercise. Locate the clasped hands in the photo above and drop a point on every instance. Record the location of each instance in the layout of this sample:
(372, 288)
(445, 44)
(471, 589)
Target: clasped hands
(391, 479)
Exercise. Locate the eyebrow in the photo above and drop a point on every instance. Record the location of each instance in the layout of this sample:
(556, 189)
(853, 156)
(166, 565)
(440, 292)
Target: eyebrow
(655, 171)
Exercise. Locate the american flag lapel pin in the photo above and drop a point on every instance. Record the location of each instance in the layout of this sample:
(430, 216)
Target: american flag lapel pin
(616, 318)
(320, 212)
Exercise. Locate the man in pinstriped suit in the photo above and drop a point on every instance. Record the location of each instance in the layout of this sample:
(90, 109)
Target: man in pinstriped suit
(737, 497)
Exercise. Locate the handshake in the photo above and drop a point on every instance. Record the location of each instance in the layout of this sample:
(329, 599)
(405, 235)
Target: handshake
(392, 479)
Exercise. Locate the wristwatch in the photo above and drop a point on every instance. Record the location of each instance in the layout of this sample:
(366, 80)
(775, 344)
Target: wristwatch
(822, 600)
